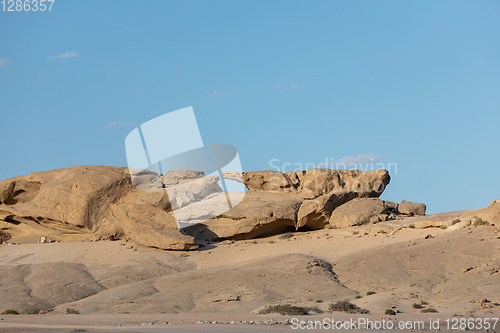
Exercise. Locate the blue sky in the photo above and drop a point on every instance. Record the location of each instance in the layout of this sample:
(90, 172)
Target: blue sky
(416, 83)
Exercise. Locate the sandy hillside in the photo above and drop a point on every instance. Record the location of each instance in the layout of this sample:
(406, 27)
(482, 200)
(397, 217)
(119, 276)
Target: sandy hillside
(453, 270)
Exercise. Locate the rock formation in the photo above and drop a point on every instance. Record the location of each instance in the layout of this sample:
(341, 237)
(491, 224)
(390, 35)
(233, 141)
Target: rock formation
(84, 202)
(411, 208)
(71, 202)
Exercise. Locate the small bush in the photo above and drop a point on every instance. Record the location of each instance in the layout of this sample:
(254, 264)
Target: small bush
(31, 312)
(443, 227)
(287, 235)
(411, 226)
(423, 303)
(382, 232)
(390, 312)
(417, 306)
(355, 233)
(289, 310)
(346, 306)
(358, 296)
(370, 293)
(10, 312)
(72, 311)
(479, 221)
(455, 221)
(428, 310)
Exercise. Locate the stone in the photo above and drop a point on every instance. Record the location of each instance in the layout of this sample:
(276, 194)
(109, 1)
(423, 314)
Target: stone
(268, 181)
(259, 214)
(315, 214)
(356, 212)
(186, 193)
(411, 208)
(174, 177)
(74, 202)
(310, 184)
(392, 207)
(236, 176)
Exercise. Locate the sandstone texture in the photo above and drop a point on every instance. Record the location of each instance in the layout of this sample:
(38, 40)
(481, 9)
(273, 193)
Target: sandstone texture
(89, 201)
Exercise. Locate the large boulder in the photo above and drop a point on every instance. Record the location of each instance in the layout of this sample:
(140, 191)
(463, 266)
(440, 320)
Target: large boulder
(315, 214)
(310, 184)
(75, 195)
(356, 212)
(411, 208)
(268, 181)
(258, 214)
(80, 202)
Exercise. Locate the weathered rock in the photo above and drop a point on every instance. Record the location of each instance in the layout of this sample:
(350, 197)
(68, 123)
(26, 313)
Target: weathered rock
(315, 214)
(236, 176)
(258, 214)
(411, 208)
(268, 181)
(174, 177)
(392, 207)
(356, 212)
(76, 195)
(62, 204)
(186, 193)
(146, 224)
(316, 182)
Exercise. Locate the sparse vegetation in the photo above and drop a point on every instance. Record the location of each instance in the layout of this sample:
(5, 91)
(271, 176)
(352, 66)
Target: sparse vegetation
(358, 296)
(479, 221)
(72, 311)
(444, 227)
(382, 232)
(423, 302)
(31, 312)
(390, 312)
(411, 226)
(428, 310)
(355, 232)
(346, 306)
(287, 235)
(417, 306)
(455, 221)
(10, 312)
(289, 310)
(370, 293)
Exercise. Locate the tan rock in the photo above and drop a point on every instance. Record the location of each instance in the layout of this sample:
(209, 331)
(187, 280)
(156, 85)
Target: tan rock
(174, 177)
(146, 224)
(268, 181)
(411, 208)
(315, 214)
(356, 212)
(62, 204)
(258, 214)
(316, 182)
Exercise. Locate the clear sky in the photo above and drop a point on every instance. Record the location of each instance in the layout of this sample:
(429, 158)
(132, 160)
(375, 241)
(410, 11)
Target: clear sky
(415, 83)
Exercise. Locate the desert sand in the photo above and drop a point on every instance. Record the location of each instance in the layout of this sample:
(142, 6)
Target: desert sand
(84, 249)
(454, 271)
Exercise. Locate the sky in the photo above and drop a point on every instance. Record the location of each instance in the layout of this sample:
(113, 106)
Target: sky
(413, 86)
